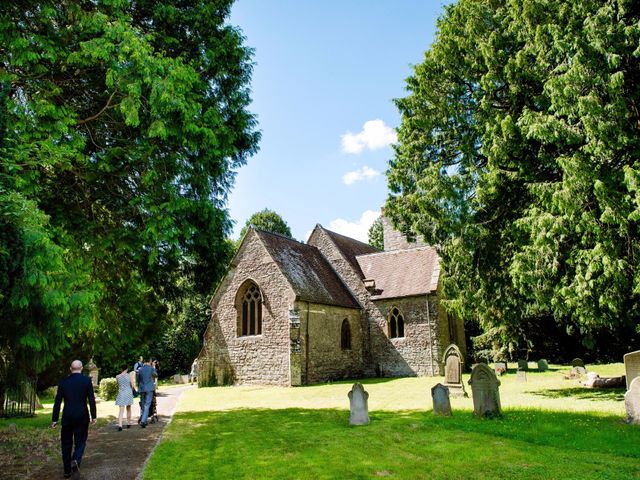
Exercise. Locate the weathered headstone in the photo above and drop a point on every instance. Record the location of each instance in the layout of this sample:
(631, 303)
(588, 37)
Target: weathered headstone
(522, 376)
(523, 365)
(577, 362)
(91, 370)
(452, 362)
(441, 403)
(632, 366)
(543, 366)
(500, 368)
(359, 405)
(632, 402)
(485, 391)
(578, 371)
(13, 428)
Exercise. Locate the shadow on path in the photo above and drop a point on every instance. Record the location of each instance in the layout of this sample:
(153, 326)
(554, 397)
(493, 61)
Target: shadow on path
(114, 455)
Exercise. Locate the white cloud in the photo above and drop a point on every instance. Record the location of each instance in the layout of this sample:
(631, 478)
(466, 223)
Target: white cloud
(365, 173)
(374, 136)
(358, 229)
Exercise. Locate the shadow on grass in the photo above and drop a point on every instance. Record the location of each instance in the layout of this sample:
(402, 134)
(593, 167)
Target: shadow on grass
(577, 431)
(364, 381)
(582, 393)
(303, 443)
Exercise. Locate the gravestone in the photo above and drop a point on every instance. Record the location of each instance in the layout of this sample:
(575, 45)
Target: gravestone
(522, 376)
(577, 362)
(578, 371)
(485, 391)
(441, 403)
(500, 368)
(523, 365)
(452, 362)
(91, 371)
(632, 366)
(359, 405)
(543, 366)
(632, 402)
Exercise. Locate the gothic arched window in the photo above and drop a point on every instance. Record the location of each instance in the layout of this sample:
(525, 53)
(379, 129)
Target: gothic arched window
(250, 311)
(345, 335)
(396, 323)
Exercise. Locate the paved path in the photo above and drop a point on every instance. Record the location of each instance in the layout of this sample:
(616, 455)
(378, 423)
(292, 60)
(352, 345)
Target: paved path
(114, 455)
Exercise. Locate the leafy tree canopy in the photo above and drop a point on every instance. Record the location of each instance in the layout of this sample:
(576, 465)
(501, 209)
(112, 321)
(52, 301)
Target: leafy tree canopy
(376, 234)
(122, 125)
(267, 220)
(518, 156)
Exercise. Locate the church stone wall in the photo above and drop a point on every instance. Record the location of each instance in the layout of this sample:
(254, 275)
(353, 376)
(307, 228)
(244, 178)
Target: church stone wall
(418, 352)
(259, 359)
(382, 355)
(321, 331)
(395, 240)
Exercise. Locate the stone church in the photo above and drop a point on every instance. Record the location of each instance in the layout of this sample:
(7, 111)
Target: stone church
(289, 313)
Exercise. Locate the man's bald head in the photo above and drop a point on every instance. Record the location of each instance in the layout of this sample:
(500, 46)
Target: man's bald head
(76, 366)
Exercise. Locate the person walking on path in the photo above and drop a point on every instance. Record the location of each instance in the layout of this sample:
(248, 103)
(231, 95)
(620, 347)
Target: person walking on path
(146, 386)
(76, 390)
(124, 399)
(138, 364)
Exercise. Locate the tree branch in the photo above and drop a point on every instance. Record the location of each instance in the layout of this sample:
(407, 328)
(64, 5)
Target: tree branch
(93, 117)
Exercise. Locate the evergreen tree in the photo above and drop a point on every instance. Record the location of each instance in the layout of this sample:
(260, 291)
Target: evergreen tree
(518, 157)
(376, 234)
(127, 122)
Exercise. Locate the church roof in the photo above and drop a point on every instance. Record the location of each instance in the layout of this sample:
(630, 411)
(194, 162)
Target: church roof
(308, 272)
(350, 249)
(402, 273)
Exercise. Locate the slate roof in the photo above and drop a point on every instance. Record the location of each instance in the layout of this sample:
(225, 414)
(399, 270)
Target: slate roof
(308, 272)
(402, 273)
(350, 249)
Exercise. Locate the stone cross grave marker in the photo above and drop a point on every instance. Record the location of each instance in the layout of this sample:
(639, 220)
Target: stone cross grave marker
(632, 401)
(543, 365)
(452, 362)
(500, 368)
(485, 391)
(359, 404)
(441, 402)
(632, 366)
(523, 365)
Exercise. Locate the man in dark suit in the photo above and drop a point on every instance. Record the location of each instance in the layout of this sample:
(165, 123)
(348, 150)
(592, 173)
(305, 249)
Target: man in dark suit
(75, 390)
(146, 386)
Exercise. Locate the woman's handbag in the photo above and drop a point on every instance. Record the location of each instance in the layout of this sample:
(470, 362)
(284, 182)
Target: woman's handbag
(134, 391)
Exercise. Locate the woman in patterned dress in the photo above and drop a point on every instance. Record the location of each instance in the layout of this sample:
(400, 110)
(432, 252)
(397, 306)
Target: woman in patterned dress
(125, 396)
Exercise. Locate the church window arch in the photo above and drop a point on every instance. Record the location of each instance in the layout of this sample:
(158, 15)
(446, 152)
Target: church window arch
(396, 323)
(345, 335)
(249, 305)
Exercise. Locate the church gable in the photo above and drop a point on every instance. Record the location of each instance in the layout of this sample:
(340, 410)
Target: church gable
(247, 340)
(289, 313)
(310, 275)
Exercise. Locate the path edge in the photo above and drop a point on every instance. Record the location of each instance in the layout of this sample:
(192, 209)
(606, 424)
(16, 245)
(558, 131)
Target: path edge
(146, 460)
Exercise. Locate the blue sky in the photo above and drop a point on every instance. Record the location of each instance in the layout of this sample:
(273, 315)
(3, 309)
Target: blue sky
(325, 76)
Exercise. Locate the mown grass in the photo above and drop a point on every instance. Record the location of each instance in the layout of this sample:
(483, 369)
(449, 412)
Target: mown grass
(552, 428)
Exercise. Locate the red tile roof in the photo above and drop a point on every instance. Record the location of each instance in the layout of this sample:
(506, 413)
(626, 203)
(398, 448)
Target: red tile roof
(402, 273)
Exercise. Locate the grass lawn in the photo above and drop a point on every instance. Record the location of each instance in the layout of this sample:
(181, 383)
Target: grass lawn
(552, 428)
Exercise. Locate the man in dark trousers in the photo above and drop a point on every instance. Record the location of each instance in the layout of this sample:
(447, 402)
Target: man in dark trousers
(75, 390)
(146, 385)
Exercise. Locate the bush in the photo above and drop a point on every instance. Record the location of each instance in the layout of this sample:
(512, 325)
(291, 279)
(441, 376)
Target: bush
(108, 388)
